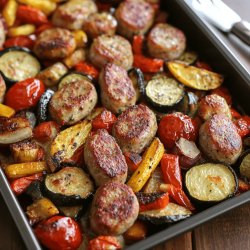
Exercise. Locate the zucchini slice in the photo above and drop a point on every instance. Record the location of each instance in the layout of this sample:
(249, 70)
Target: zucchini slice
(171, 213)
(73, 77)
(164, 93)
(137, 79)
(245, 165)
(69, 186)
(189, 105)
(188, 57)
(42, 107)
(211, 182)
(17, 64)
(74, 212)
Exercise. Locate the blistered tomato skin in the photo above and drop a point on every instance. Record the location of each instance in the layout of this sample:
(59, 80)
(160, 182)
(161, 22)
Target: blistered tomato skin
(24, 94)
(59, 232)
(174, 126)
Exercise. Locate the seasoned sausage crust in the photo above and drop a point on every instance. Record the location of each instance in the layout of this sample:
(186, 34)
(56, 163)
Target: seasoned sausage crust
(135, 128)
(54, 43)
(100, 23)
(114, 49)
(117, 91)
(134, 17)
(104, 158)
(166, 42)
(114, 209)
(213, 104)
(73, 102)
(72, 14)
(220, 140)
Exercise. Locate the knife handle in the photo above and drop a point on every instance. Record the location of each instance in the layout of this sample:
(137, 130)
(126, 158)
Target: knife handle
(242, 30)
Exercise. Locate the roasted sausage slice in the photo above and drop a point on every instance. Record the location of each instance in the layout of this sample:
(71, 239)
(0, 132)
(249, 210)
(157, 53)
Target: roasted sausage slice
(100, 23)
(104, 158)
(73, 102)
(220, 140)
(117, 91)
(135, 128)
(72, 14)
(134, 17)
(166, 42)
(114, 49)
(54, 43)
(114, 209)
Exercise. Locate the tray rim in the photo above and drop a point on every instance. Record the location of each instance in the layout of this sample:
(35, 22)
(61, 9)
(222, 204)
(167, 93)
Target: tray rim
(25, 229)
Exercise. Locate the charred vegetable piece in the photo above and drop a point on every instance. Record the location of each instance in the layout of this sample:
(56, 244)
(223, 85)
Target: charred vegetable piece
(211, 182)
(24, 169)
(245, 166)
(69, 186)
(189, 105)
(137, 232)
(164, 93)
(73, 77)
(133, 161)
(20, 185)
(59, 232)
(13, 64)
(195, 78)
(40, 210)
(27, 151)
(73, 212)
(152, 201)
(171, 213)
(188, 57)
(34, 190)
(46, 131)
(42, 107)
(67, 142)
(137, 78)
(154, 182)
(150, 160)
(171, 170)
(14, 129)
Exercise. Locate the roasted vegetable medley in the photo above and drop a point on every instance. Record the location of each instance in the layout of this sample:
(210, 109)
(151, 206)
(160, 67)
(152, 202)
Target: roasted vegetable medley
(110, 125)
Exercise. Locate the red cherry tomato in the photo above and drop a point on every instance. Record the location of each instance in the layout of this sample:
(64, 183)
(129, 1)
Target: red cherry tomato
(24, 94)
(174, 126)
(104, 243)
(59, 232)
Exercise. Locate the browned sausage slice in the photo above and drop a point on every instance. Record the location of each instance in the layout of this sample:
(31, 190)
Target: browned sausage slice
(104, 158)
(114, 209)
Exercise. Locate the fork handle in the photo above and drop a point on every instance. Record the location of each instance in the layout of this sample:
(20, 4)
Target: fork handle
(242, 30)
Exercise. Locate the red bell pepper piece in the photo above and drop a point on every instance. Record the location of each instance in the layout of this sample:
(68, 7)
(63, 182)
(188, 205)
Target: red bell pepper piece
(203, 65)
(24, 94)
(43, 27)
(87, 68)
(242, 127)
(171, 170)
(159, 203)
(148, 65)
(179, 196)
(104, 243)
(59, 232)
(28, 14)
(133, 160)
(235, 114)
(223, 92)
(78, 157)
(137, 44)
(105, 120)
(46, 131)
(243, 186)
(21, 41)
(18, 186)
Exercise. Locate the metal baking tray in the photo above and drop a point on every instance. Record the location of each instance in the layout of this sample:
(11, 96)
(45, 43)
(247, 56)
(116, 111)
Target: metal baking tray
(201, 38)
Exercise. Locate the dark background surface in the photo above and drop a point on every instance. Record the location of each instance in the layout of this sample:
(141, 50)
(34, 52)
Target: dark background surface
(230, 231)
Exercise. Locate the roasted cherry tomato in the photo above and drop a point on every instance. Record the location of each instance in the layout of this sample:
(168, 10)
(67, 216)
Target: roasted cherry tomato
(31, 15)
(171, 170)
(133, 160)
(87, 68)
(59, 232)
(159, 203)
(24, 94)
(21, 41)
(105, 120)
(174, 126)
(104, 243)
(46, 131)
(18, 186)
(223, 92)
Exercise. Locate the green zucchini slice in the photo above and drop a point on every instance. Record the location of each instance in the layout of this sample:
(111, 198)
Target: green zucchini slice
(164, 93)
(245, 165)
(67, 187)
(137, 79)
(18, 64)
(171, 213)
(211, 182)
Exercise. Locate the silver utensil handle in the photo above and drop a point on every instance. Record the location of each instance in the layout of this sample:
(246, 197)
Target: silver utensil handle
(242, 30)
